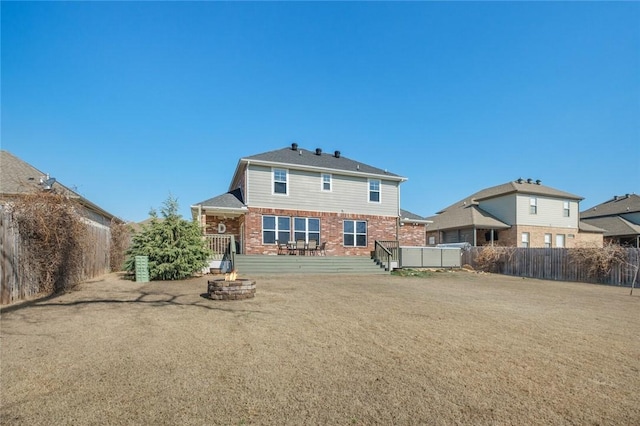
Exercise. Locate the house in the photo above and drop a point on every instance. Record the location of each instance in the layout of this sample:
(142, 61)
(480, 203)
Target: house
(18, 178)
(293, 193)
(619, 217)
(521, 213)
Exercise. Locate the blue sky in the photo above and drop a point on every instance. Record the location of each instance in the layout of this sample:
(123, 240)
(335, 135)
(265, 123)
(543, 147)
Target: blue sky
(129, 102)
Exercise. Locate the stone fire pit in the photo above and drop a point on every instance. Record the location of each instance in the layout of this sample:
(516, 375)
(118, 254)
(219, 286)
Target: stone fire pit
(231, 288)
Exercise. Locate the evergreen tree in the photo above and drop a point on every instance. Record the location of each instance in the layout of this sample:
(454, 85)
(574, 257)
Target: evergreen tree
(175, 247)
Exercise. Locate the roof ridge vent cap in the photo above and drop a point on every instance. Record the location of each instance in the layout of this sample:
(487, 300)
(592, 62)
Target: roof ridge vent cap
(294, 146)
(336, 154)
(318, 151)
(529, 180)
(519, 180)
(538, 181)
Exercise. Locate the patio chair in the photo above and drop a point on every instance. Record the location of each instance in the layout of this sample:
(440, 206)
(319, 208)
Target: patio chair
(291, 247)
(321, 249)
(282, 247)
(312, 247)
(301, 246)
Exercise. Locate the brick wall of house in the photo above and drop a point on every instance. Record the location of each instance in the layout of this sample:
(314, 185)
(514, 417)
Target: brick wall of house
(378, 228)
(512, 237)
(411, 235)
(590, 239)
(232, 226)
(573, 238)
(433, 238)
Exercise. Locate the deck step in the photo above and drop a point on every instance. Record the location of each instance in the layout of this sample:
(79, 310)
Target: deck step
(271, 264)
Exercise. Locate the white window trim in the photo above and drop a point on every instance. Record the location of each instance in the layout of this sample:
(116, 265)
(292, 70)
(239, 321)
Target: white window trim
(525, 238)
(273, 181)
(306, 228)
(276, 230)
(566, 209)
(379, 191)
(533, 202)
(355, 233)
(322, 176)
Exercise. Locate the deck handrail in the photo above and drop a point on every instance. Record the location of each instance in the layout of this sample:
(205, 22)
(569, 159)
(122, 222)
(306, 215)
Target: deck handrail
(386, 250)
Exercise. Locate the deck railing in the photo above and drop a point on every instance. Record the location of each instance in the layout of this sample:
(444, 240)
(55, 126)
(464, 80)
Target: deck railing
(386, 252)
(222, 246)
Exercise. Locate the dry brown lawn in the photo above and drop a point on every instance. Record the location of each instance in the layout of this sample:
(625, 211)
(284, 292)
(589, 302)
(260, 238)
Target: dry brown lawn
(457, 348)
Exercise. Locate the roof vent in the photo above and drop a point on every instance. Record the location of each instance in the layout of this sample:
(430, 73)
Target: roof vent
(538, 181)
(318, 151)
(336, 154)
(615, 198)
(529, 180)
(519, 180)
(47, 182)
(294, 146)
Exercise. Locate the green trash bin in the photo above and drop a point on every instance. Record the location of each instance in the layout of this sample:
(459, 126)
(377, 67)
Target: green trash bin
(142, 269)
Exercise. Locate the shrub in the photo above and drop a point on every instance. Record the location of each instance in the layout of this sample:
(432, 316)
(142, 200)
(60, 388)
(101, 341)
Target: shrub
(174, 246)
(598, 261)
(54, 238)
(492, 258)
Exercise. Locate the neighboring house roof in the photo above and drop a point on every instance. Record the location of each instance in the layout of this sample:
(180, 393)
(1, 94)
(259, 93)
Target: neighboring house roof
(613, 216)
(19, 177)
(587, 227)
(408, 217)
(618, 205)
(466, 213)
(520, 186)
(614, 226)
(316, 160)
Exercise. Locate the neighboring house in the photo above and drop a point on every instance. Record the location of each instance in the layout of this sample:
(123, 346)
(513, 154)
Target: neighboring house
(18, 178)
(522, 213)
(292, 193)
(619, 217)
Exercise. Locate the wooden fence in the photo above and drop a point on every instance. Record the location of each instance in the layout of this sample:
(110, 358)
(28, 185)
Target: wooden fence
(19, 282)
(556, 264)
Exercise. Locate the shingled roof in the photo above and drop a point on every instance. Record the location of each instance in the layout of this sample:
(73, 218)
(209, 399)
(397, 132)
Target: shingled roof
(466, 212)
(464, 216)
(295, 156)
(613, 226)
(229, 200)
(19, 177)
(618, 205)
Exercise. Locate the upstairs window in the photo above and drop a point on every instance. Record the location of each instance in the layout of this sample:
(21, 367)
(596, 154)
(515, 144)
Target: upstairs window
(355, 233)
(374, 190)
(280, 181)
(326, 182)
(533, 205)
(566, 211)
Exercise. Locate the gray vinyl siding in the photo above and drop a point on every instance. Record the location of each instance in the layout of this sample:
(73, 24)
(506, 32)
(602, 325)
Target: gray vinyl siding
(550, 212)
(503, 208)
(349, 194)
